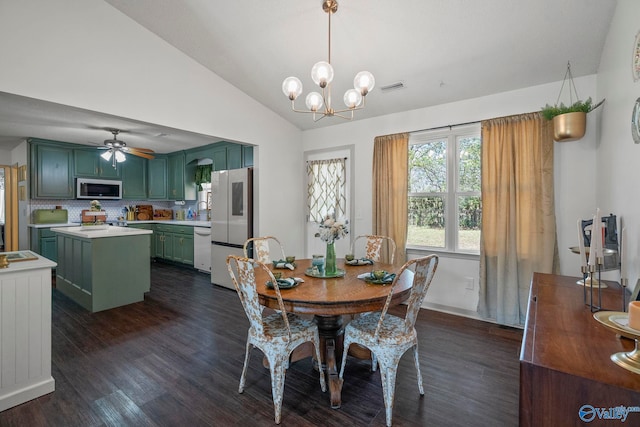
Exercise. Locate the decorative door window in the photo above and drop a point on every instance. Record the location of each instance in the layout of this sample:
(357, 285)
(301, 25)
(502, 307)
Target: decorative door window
(326, 188)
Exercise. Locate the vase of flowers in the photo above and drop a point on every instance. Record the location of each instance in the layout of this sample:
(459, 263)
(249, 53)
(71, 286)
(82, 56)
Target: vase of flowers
(330, 230)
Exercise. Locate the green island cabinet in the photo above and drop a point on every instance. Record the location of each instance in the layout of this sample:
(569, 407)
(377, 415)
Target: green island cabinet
(147, 226)
(105, 272)
(173, 243)
(134, 178)
(43, 242)
(51, 169)
(89, 164)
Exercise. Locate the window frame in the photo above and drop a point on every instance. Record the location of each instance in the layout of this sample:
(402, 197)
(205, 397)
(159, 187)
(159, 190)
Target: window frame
(452, 194)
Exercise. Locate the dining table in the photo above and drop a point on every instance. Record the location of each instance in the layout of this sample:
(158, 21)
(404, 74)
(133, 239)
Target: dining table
(328, 299)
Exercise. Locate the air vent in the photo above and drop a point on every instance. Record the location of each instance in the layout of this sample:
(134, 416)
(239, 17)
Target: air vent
(392, 86)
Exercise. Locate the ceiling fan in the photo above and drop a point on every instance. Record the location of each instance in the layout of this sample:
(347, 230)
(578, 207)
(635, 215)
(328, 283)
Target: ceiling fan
(116, 150)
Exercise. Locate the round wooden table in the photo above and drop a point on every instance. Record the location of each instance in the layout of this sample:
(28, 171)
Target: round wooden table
(330, 298)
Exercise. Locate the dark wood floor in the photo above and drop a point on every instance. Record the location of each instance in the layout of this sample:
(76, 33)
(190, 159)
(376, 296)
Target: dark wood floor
(175, 360)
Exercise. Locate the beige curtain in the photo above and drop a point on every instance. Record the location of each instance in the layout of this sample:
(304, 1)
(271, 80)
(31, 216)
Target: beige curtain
(390, 190)
(518, 214)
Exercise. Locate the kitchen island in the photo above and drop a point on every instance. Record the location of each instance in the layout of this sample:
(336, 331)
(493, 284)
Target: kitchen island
(103, 267)
(25, 329)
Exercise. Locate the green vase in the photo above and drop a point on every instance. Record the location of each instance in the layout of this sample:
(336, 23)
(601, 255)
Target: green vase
(330, 260)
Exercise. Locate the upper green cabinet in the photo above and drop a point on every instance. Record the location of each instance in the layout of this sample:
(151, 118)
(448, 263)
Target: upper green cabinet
(134, 178)
(225, 155)
(247, 156)
(181, 178)
(89, 164)
(51, 171)
(157, 174)
(234, 156)
(220, 159)
(53, 166)
(175, 174)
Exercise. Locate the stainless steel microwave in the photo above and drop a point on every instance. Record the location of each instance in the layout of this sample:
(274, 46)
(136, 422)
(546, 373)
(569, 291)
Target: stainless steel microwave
(105, 189)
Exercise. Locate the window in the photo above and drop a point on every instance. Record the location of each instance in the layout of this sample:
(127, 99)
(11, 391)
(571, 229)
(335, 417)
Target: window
(445, 209)
(326, 191)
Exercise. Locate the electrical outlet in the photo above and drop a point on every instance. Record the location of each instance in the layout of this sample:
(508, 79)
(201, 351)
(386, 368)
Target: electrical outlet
(470, 282)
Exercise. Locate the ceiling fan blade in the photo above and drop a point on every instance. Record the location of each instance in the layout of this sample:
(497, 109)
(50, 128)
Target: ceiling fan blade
(144, 150)
(139, 154)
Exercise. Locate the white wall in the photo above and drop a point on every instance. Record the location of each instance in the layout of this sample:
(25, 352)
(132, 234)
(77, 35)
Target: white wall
(67, 51)
(617, 156)
(89, 55)
(573, 199)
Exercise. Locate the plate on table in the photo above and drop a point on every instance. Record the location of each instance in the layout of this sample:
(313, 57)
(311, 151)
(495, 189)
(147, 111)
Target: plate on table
(289, 283)
(309, 272)
(284, 264)
(359, 261)
(386, 280)
(618, 321)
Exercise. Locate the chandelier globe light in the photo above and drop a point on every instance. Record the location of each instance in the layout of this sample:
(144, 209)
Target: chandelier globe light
(319, 103)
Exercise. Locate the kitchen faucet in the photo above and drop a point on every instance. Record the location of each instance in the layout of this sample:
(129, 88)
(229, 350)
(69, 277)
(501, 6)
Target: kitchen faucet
(206, 206)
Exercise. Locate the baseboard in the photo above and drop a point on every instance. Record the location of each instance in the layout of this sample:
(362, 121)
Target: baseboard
(462, 312)
(27, 393)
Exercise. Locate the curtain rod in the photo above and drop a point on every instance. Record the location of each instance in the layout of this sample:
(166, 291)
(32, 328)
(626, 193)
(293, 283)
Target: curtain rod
(446, 126)
(471, 123)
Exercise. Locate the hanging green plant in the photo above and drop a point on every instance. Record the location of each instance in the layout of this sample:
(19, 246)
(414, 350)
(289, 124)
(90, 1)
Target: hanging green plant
(569, 121)
(550, 111)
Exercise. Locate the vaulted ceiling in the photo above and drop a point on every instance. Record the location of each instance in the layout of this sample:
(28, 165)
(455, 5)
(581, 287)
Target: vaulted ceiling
(442, 51)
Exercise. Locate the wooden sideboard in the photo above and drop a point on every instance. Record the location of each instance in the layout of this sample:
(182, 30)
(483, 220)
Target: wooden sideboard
(565, 357)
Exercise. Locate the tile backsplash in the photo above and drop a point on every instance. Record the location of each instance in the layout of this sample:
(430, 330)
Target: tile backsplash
(113, 208)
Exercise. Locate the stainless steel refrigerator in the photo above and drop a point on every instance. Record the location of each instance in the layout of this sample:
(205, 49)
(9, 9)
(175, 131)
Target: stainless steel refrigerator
(231, 219)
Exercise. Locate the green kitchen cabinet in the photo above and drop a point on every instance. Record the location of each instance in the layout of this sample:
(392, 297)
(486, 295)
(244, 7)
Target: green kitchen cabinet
(157, 247)
(152, 237)
(219, 159)
(247, 156)
(157, 175)
(134, 178)
(175, 174)
(43, 242)
(89, 164)
(181, 178)
(174, 243)
(234, 156)
(51, 169)
(183, 248)
(103, 273)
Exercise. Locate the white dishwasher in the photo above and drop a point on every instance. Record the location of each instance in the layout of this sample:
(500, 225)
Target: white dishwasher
(202, 249)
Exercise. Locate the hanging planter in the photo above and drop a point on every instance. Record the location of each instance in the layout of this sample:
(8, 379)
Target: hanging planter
(569, 122)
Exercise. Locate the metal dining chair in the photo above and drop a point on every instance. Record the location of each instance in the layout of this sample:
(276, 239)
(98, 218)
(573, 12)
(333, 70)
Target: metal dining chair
(373, 247)
(276, 335)
(261, 250)
(388, 336)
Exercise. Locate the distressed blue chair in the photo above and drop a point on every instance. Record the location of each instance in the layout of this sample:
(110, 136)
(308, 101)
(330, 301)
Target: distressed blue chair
(389, 337)
(276, 335)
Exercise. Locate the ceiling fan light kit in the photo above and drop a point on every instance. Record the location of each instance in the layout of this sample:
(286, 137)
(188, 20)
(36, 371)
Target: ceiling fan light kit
(322, 75)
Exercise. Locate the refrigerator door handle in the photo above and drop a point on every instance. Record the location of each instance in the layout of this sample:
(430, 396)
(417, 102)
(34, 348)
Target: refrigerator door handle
(229, 245)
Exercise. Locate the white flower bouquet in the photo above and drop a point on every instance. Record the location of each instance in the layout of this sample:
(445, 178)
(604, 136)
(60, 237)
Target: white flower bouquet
(331, 229)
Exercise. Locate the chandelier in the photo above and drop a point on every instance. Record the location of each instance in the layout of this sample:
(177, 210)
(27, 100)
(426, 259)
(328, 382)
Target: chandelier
(322, 75)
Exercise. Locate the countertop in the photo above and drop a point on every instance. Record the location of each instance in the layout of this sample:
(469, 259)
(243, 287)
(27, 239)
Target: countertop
(192, 223)
(108, 231)
(30, 264)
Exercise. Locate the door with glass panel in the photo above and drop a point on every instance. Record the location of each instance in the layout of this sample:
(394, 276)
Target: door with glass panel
(328, 193)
